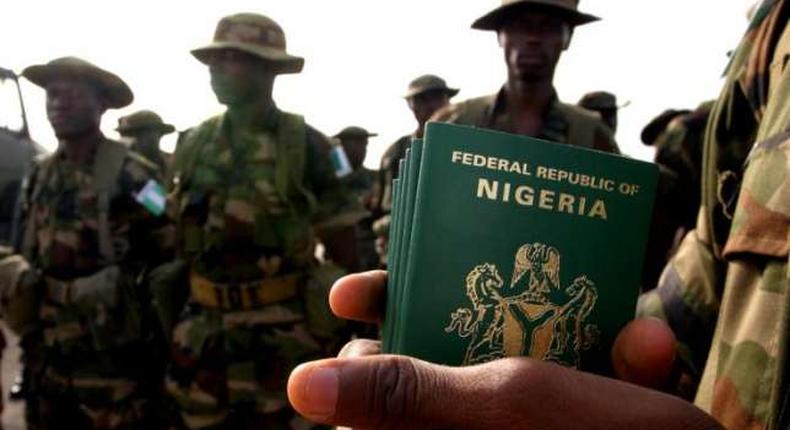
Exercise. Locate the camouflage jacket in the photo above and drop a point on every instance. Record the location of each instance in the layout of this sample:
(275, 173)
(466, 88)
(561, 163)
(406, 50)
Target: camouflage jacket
(256, 203)
(726, 293)
(562, 123)
(64, 211)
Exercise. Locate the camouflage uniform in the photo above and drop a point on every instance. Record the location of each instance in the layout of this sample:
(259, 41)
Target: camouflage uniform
(726, 293)
(248, 211)
(99, 363)
(388, 170)
(131, 126)
(678, 139)
(362, 183)
(562, 123)
(91, 345)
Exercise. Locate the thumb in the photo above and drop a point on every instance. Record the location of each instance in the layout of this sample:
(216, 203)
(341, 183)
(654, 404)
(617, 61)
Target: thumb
(385, 392)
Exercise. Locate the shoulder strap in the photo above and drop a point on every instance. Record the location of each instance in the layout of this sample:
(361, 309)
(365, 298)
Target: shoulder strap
(292, 142)
(31, 189)
(581, 125)
(188, 149)
(107, 168)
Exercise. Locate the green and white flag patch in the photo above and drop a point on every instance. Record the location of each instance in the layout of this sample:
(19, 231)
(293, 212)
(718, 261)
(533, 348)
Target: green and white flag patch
(152, 197)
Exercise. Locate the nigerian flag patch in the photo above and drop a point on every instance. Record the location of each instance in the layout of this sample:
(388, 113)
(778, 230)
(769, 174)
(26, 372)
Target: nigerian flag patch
(152, 197)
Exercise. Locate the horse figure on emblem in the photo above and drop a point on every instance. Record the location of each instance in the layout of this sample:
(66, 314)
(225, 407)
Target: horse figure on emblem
(540, 319)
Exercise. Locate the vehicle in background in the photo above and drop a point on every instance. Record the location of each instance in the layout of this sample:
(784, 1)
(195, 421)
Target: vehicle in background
(17, 150)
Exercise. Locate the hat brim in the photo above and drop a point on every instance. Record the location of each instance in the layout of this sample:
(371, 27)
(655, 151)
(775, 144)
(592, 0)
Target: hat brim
(162, 128)
(113, 89)
(341, 135)
(493, 19)
(451, 92)
(285, 63)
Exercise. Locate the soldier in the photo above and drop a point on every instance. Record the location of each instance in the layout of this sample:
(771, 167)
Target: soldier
(533, 35)
(362, 182)
(253, 187)
(145, 129)
(725, 294)
(425, 96)
(77, 294)
(355, 143)
(605, 104)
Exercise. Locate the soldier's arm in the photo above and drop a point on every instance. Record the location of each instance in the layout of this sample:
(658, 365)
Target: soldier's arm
(337, 210)
(687, 299)
(151, 236)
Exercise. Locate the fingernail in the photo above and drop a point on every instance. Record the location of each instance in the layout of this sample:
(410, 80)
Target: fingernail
(320, 392)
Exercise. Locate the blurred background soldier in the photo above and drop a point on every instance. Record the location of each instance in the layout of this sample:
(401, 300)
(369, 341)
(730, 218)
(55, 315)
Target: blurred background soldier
(425, 96)
(533, 34)
(77, 294)
(361, 182)
(18, 152)
(605, 104)
(145, 129)
(678, 137)
(252, 188)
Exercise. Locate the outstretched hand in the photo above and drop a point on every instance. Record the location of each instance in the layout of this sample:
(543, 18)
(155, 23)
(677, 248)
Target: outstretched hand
(366, 390)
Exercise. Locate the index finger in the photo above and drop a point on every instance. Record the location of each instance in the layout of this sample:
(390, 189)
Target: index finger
(360, 297)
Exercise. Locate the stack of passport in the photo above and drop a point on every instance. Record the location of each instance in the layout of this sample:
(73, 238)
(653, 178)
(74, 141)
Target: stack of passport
(505, 245)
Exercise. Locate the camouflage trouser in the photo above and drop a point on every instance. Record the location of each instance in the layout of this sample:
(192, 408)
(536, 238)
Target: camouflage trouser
(230, 369)
(76, 403)
(81, 399)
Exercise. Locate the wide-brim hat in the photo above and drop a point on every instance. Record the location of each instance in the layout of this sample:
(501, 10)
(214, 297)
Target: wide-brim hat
(658, 124)
(569, 8)
(354, 131)
(426, 83)
(112, 88)
(254, 34)
(141, 120)
(599, 100)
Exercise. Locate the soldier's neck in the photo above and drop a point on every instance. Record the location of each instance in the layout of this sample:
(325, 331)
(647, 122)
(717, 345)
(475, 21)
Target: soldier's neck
(80, 149)
(529, 97)
(420, 131)
(249, 116)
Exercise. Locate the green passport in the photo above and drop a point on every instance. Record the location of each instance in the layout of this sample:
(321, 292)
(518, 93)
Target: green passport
(515, 246)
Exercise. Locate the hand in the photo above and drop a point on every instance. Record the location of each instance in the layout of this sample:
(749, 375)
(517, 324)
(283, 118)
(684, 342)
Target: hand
(365, 390)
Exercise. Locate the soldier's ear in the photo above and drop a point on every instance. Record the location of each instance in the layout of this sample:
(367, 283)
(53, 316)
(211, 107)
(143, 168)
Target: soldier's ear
(567, 35)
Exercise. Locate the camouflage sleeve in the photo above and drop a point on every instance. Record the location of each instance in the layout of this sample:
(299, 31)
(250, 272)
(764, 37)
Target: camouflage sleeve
(151, 237)
(687, 298)
(336, 207)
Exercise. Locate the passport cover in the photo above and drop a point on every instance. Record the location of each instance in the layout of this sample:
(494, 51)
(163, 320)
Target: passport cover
(517, 246)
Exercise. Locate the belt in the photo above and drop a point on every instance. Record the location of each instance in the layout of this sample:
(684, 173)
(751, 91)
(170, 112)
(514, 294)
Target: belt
(243, 295)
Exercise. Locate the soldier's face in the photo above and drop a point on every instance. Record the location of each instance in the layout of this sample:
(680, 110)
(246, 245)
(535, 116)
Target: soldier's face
(146, 139)
(238, 78)
(424, 105)
(74, 108)
(533, 41)
(356, 149)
